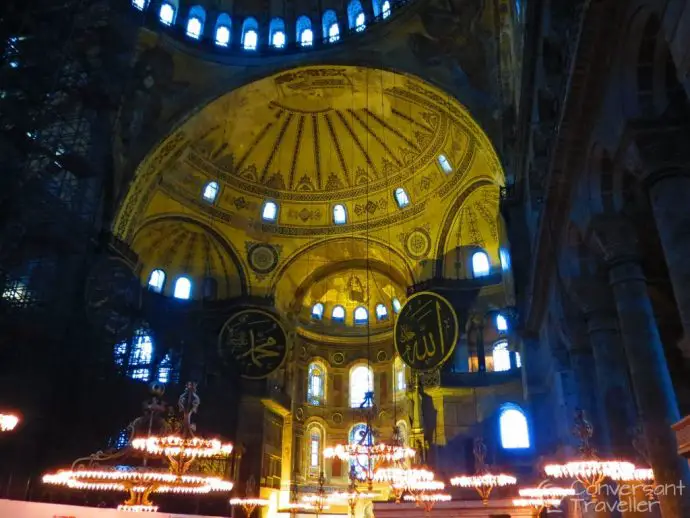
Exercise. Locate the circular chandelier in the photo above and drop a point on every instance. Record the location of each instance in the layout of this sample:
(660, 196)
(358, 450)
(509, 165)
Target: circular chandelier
(249, 504)
(177, 453)
(402, 475)
(377, 452)
(541, 498)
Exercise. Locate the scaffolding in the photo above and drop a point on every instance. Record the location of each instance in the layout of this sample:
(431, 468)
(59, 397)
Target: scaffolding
(61, 82)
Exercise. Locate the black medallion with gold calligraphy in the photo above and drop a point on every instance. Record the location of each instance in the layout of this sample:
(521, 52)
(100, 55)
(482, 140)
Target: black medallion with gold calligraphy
(253, 342)
(426, 331)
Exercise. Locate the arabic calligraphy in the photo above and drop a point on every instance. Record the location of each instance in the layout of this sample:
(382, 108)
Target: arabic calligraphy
(426, 331)
(253, 342)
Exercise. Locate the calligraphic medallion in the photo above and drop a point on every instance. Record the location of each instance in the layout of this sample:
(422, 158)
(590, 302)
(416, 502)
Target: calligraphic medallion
(254, 342)
(426, 331)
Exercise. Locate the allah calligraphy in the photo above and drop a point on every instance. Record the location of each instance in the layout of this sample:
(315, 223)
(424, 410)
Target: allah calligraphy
(426, 331)
(253, 342)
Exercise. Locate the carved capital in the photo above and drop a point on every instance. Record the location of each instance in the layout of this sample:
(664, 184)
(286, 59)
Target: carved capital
(616, 238)
(660, 146)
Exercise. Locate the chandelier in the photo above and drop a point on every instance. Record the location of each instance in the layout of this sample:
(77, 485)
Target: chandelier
(174, 456)
(540, 498)
(8, 422)
(591, 471)
(484, 482)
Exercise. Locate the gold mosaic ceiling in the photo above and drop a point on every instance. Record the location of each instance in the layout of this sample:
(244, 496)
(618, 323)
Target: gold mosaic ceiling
(310, 138)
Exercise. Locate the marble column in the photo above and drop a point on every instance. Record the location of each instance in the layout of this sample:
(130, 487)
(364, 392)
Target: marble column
(589, 393)
(656, 400)
(481, 352)
(670, 196)
(665, 154)
(616, 407)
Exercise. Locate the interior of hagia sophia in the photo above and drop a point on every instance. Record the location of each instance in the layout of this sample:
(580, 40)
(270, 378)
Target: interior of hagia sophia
(394, 258)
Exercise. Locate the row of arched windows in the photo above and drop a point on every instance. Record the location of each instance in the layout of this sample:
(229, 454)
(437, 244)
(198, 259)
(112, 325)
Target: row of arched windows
(360, 315)
(277, 33)
(361, 382)
(183, 286)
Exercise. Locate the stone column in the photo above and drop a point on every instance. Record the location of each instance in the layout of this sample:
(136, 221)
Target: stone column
(616, 407)
(656, 400)
(665, 154)
(481, 353)
(589, 392)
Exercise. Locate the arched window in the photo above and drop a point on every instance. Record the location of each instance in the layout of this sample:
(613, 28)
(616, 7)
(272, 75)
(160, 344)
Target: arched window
(401, 197)
(501, 356)
(196, 22)
(381, 312)
(270, 211)
(396, 305)
(140, 4)
(135, 357)
(317, 311)
(361, 434)
(403, 435)
(276, 33)
(330, 26)
(355, 15)
(386, 9)
(210, 288)
(338, 314)
(361, 383)
(167, 13)
(250, 34)
(223, 30)
(361, 315)
(157, 281)
(514, 429)
(183, 288)
(316, 386)
(445, 164)
(210, 192)
(480, 264)
(501, 323)
(339, 214)
(315, 448)
(399, 375)
(305, 35)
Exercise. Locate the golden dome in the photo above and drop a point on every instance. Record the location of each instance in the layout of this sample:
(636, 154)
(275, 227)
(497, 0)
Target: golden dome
(309, 139)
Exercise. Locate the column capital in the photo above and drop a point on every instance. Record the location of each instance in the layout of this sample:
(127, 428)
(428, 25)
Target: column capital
(616, 238)
(660, 145)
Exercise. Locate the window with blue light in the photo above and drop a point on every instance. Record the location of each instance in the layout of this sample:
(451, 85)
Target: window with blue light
(316, 384)
(381, 312)
(167, 13)
(338, 314)
(331, 31)
(140, 4)
(386, 9)
(480, 264)
(210, 192)
(396, 305)
(445, 164)
(355, 15)
(305, 35)
(317, 311)
(401, 197)
(400, 378)
(156, 281)
(514, 429)
(165, 370)
(223, 26)
(196, 21)
(250, 34)
(135, 356)
(361, 383)
(276, 33)
(360, 434)
(501, 323)
(270, 211)
(361, 315)
(314, 450)
(339, 215)
(122, 439)
(501, 356)
(183, 288)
